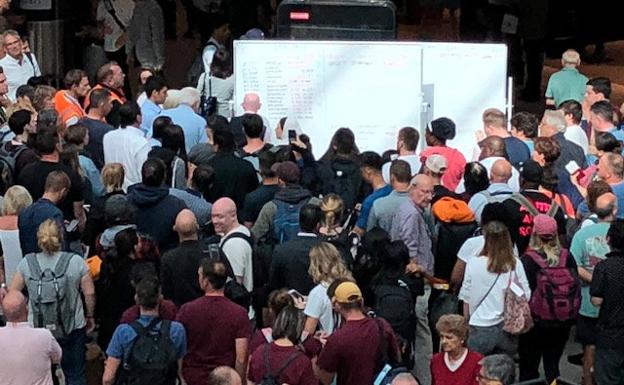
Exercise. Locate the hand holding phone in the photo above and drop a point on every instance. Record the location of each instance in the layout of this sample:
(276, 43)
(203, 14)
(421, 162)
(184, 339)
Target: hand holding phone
(292, 136)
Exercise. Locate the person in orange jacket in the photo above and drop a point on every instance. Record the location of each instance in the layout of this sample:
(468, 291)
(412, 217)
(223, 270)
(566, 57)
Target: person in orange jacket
(66, 102)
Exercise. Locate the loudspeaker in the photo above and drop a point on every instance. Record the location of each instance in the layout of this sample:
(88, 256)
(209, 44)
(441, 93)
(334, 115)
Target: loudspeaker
(336, 20)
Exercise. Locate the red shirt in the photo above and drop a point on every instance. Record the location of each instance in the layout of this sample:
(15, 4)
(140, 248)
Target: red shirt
(166, 310)
(311, 346)
(352, 351)
(466, 374)
(298, 372)
(456, 164)
(212, 324)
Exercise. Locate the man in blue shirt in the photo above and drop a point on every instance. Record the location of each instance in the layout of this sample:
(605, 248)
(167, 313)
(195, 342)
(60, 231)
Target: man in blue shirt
(156, 91)
(601, 118)
(185, 115)
(57, 186)
(148, 295)
(370, 167)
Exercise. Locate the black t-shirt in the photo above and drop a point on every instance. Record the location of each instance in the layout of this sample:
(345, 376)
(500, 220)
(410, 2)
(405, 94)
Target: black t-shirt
(33, 178)
(255, 200)
(521, 221)
(607, 283)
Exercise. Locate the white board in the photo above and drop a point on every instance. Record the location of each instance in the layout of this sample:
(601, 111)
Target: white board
(466, 79)
(374, 88)
(371, 88)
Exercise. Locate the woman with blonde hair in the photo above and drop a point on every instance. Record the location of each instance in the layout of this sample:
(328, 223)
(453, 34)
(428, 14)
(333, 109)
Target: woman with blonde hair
(482, 291)
(44, 98)
(112, 179)
(546, 340)
(76, 320)
(326, 266)
(15, 200)
(332, 208)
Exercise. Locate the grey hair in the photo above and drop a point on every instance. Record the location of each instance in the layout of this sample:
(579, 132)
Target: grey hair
(571, 58)
(499, 367)
(223, 375)
(10, 32)
(189, 96)
(556, 119)
(404, 379)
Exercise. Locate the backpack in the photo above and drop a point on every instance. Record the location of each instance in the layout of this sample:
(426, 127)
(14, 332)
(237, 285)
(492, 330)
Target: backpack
(270, 378)
(49, 297)
(286, 220)
(233, 290)
(495, 197)
(152, 356)
(345, 181)
(394, 303)
(573, 225)
(557, 296)
(7, 164)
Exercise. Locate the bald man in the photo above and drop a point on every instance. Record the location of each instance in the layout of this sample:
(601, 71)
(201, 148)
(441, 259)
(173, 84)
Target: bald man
(179, 266)
(408, 225)
(404, 379)
(236, 242)
(31, 351)
(224, 375)
(251, 105)
(498, 191)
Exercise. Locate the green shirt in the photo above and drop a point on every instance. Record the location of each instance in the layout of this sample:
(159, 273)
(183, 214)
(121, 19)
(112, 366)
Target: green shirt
(567, 84)
(589, 247)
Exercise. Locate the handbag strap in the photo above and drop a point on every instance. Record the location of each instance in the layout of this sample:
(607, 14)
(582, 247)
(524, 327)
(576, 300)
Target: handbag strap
(486, 295)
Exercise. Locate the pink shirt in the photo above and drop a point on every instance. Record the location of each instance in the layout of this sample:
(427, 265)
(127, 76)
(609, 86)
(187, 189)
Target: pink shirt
(29, 355)
(456, 163)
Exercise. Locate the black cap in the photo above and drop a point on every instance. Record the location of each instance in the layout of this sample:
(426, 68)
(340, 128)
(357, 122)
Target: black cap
(443, 128)
(532, 172)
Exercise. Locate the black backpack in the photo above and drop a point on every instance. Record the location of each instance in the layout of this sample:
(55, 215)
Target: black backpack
(152, 358)
(343, 177)
(233, 290)
(7, 164)
(270, 378)
(394, 303)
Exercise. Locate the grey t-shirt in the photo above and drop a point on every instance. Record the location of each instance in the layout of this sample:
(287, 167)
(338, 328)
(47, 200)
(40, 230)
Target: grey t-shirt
(76, 269)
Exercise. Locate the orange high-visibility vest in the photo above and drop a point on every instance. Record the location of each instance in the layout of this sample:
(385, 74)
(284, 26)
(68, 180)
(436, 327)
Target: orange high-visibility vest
(69, 109)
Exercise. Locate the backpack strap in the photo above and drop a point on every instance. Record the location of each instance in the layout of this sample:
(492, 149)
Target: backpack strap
(62, 264)
(285, 365)
(33, 265)
(523, 201)
(537, 258)
(35, 271)
(552, 211)
(141, 331)
(240, 235)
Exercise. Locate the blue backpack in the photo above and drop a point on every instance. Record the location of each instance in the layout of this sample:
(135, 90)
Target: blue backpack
(286, 220)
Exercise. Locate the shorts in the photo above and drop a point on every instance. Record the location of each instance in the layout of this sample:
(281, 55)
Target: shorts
(586, 330)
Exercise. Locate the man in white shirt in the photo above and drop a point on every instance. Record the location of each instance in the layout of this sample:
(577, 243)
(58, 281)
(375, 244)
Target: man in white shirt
(236, 242)
(18, 68)
(127, 144)
(573, 113)
(407, 143)
(114, 18)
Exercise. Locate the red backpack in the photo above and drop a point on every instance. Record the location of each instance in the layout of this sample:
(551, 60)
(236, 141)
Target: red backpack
(557, 296)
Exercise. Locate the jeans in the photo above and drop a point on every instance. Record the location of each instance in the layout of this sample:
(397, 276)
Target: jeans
(539, 343)
(74, 362)
(423, 347)
(489, 340)
(609, 366)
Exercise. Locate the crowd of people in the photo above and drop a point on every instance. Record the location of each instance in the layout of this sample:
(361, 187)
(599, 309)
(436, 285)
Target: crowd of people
(198, 247)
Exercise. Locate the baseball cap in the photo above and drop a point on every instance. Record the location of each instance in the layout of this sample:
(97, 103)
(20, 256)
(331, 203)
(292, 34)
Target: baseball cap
(544, 225)
(347, 292)
(287, 171)
(532, 172)
(436, 163)
(253, 34)
(443, 128)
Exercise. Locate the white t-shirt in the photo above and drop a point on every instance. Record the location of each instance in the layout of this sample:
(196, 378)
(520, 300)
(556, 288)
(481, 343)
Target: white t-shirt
(124, 9)
(577, 135)
(239, 254)
(473, 247)
(513, 182)
(477, 283)
(413, 160)
(319, 306)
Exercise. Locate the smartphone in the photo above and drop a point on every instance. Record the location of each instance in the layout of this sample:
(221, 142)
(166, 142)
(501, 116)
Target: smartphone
(292, 135)
(572, 167)
(295, 294)
(71, 226)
